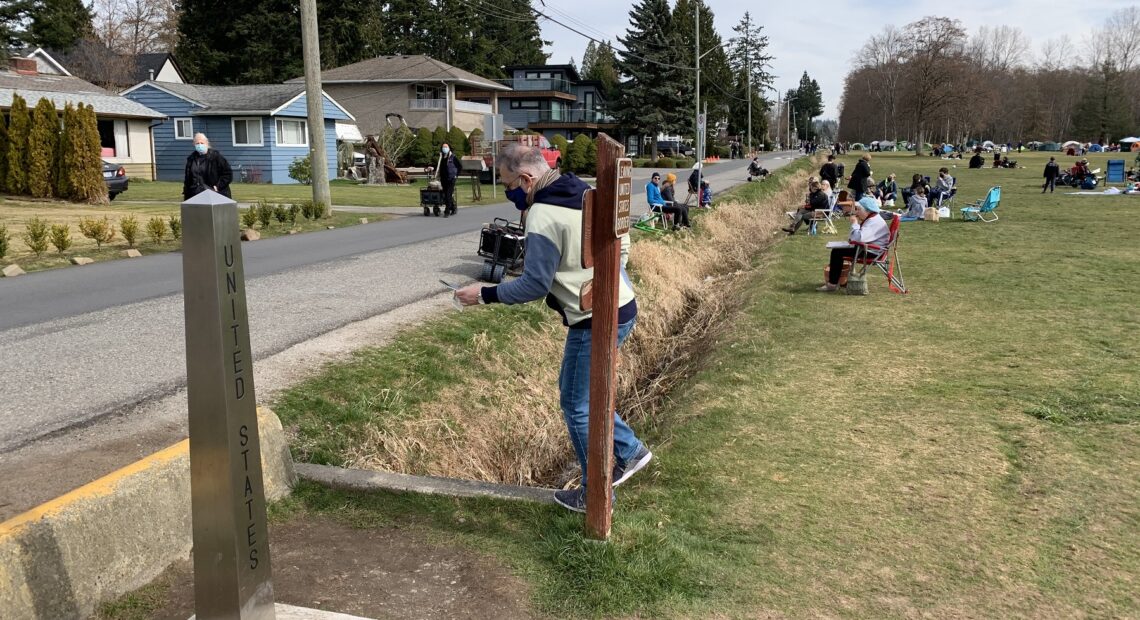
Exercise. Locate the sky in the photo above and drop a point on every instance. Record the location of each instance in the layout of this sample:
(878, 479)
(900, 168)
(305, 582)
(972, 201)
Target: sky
(821, 37)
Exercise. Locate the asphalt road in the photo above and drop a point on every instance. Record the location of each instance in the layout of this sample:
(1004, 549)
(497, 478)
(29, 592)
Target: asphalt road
(80, 343)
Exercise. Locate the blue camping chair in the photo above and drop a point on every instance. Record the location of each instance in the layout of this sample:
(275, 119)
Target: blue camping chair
(982, 209)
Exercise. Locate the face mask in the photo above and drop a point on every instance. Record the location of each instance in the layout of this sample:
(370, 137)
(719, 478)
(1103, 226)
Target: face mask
(201, 148)
(446, 151)
(518, 196)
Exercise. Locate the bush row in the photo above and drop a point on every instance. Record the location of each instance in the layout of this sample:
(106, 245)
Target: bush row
(39, 234)
(44, 158)
(265, 212)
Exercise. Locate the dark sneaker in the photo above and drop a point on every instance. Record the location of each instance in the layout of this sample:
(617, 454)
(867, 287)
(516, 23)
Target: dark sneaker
(575, 499)
(622, 471)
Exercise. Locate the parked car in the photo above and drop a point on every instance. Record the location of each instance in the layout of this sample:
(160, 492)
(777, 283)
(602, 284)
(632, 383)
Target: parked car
(116, 178)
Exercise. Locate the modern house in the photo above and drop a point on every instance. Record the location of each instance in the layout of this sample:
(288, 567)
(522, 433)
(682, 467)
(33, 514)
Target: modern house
(94, 62)
(124, 125)
(261, 129)
(554, 100)
(423, 91)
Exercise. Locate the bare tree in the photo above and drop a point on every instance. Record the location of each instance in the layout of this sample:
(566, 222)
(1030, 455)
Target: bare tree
(882, 55)
(135, 27)
(934, 55)
(999, 48)
(1057, 53)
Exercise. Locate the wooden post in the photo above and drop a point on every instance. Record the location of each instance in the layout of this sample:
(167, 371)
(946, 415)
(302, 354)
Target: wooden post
(604, 230)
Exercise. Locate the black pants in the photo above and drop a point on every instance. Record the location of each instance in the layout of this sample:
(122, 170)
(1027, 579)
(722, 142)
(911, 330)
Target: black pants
(679, 211)
(798, 218)
(449, 197)
(836, 263)
(1050, 183)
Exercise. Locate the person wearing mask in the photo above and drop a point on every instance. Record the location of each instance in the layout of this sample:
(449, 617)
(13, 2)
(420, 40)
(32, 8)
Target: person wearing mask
(828, 172)
(553, 270)
(889, 190)
(1052, 171)
(448, 175)
(858, 181)
(679, 211)
(866, 227)
(206, 169)
(942, 186)
(816, 199)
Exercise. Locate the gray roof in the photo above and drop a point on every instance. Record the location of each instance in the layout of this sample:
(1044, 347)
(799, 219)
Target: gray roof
(61, 89)
(262, 98)
(404, 69)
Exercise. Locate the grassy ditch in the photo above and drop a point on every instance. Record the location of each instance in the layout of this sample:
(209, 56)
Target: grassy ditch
(474, 395)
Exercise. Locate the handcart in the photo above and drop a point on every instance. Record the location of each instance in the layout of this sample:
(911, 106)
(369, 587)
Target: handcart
(502, 244)
(432, 198)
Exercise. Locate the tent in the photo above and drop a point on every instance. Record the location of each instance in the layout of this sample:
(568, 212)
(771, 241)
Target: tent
(1050, 146)
(1095, 148)
(858, 146)
(988, 145)
(1071, 143)
(946, 148)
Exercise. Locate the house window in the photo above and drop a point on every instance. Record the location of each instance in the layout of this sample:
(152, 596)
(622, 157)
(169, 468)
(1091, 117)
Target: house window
(543, 75)
(183, 129)
(292, 132)
(524, 104)
(429, 91)
(589, 101)
(113, 138)
(247, 131)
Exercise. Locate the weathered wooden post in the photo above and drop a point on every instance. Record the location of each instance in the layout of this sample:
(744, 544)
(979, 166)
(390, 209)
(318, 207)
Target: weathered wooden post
(608, 221)
(232, 577)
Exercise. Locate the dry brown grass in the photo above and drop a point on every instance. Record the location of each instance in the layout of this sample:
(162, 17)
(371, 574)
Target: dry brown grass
(502, 423)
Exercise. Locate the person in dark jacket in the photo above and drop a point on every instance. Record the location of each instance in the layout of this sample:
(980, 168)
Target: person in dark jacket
(829, 172)
(448, 175)
(679, 211)
(816, 199)
(206, 169)
(858, 181)
(1052, 171)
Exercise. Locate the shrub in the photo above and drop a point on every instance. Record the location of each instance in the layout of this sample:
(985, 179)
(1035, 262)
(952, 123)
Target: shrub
(98, 230)
(293, 211)
(420, 153)
(280, 213)
(19, 126)
(87, 176)
(4, 236)
(301, 170)
(156, 229)
(264, 213)
(36, 235)
(3, 157)
(665, 162)
(560, 142)
(61, 237)
(684, 163)
(438, 137)
(249, 217)
(307, 209)
(65, 153)
(130, 229)
(42, 141)
(458, 141)
(176, 227)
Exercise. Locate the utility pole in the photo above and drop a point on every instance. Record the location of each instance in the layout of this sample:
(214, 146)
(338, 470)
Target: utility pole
(748, 71)
(699, 136)
(318, 156)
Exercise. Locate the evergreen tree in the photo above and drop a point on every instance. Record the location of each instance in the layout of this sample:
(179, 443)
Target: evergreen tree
(87, 177)
(807, 103)
(421, 152)
(65, 155)
(438, 137)
(519, 44)
(58, 24)
(13, 18)
(1102, 114)
(457, 140)
(19, 128)
(3, 154)
(749, 61)
(716, 75)
(650, 98)
(602, 66)
(589, 58)
(42, 142)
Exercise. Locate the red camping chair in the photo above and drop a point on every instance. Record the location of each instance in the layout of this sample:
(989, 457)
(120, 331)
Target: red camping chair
(885, 258)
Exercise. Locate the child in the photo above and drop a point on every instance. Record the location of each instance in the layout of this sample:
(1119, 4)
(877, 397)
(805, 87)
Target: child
(706, 195)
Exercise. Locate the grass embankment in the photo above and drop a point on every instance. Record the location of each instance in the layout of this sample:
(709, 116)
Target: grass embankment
(967, 450)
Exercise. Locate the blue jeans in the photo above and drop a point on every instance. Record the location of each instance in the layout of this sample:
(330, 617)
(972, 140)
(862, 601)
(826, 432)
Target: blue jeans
(574, 385)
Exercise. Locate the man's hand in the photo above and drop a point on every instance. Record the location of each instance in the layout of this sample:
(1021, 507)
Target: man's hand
(469, 295)
(854, 219)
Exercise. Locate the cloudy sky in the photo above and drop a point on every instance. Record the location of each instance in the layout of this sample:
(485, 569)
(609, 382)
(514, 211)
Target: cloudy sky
(821, 37)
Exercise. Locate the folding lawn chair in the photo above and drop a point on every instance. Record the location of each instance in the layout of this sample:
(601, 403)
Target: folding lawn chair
(983, 208)
(884, 257)
(947, 199)
(821, 220)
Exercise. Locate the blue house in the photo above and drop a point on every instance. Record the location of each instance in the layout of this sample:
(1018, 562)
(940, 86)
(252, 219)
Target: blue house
(260, 129)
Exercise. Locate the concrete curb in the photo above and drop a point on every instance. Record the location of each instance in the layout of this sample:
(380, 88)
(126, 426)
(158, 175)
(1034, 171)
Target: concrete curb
(113, 535)
(365, 480)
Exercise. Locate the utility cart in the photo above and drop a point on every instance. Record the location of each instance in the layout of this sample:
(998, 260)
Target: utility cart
(432, 198)
(502, 244)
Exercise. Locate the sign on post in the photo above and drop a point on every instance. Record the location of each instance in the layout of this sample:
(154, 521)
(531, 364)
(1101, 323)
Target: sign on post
(232, 577)
(624, 197)
(606, 249)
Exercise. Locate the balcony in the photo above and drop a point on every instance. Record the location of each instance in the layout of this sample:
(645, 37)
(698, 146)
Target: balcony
(561, 86)
(569, 116)
(470, 106)
(427, 104)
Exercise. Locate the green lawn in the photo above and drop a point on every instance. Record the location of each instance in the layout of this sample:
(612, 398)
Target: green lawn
(968, 450)
(343, 193)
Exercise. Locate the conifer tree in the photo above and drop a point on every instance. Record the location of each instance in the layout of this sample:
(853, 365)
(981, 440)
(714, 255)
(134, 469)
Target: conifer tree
(58, 24)
(420, 152)
(65, 153)
(88, 177)
(42, 143)
(458, 141)
(438, 137)
(3, 154)
(19, 126)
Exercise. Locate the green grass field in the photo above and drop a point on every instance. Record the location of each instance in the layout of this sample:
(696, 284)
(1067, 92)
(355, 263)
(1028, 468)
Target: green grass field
(343, 193)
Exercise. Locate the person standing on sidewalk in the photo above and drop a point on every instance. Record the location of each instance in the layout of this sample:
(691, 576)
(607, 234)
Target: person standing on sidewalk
(553, 270)
(1052, 171)
(448, 175)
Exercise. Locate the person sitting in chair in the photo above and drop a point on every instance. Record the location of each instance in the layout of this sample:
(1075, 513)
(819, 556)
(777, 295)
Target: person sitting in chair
(942, 186)
(916, 182)
(679, 211)
(977, 161)
(816, 199)
(915, 205)
(866, 227)
(705, 200)
(889, 190)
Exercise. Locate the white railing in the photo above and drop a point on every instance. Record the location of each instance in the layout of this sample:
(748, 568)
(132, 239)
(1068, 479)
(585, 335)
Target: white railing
(427, 104)
(471, 106)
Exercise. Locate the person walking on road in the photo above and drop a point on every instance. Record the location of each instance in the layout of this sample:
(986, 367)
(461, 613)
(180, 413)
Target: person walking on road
(206, 169)
(448, 175)
(1052, 171)
(553, 270)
